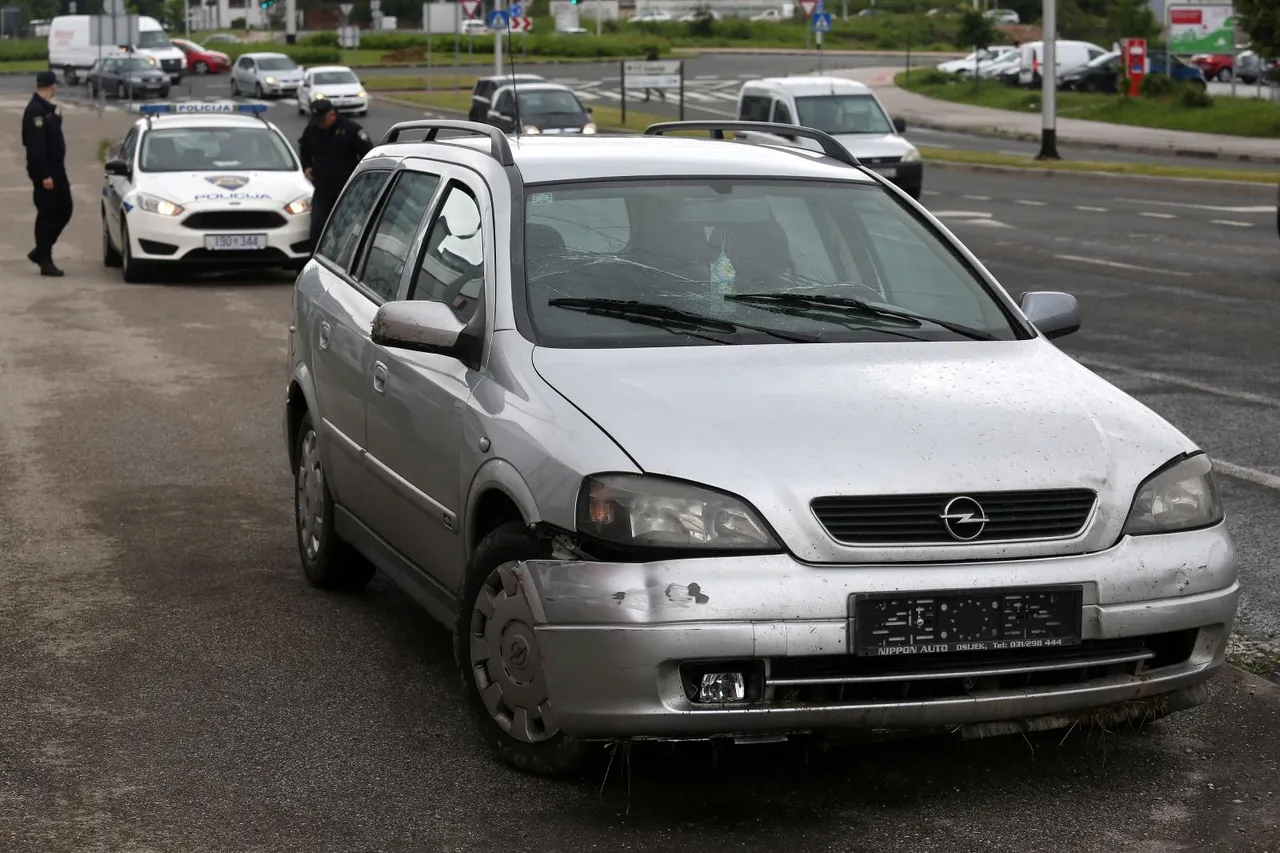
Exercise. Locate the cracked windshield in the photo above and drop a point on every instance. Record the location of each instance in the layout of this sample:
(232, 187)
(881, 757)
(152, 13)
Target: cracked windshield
(682, 263)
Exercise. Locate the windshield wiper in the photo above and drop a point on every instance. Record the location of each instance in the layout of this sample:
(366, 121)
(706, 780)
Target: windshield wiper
(665, 316)
(850, 303)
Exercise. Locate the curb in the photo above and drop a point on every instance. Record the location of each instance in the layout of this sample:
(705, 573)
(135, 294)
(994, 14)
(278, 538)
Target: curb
(1216, 183)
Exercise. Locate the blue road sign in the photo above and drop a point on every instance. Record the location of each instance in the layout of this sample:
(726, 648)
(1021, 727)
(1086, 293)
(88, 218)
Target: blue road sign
(820, 8)
(497, 19)
(822, 22)
(515, 10)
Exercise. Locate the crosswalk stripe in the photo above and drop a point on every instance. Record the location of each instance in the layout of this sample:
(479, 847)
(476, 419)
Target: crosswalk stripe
(697, 96)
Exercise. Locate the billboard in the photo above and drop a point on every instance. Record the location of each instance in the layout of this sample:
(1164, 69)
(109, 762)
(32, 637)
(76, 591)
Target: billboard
(1201, 28)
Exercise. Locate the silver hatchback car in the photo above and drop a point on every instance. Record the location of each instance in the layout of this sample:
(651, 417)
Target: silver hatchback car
(689, 438)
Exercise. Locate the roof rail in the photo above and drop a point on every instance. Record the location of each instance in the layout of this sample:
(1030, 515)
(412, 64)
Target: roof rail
(500, 149)
(830, 146)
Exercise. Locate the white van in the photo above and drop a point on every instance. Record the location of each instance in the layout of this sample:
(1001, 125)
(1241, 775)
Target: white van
(845, 109)
(1069, 56)
(74, 45)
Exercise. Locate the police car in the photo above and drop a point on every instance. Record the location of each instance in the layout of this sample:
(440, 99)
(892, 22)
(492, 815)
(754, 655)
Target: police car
(204, 184)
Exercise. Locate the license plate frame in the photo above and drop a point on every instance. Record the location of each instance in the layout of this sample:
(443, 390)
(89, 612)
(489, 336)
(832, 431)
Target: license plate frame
(1052, 617)
(235, 242)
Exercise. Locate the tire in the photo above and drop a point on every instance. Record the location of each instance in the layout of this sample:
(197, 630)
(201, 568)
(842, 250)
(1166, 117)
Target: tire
(257, 91)
(69, 75)
(542, 749)
(110, 257)
(93, 89)
(164, 93)
(328, 562)
(1224, 75)
(202, 67)
(134, 272)
(235, 86)
(122, 91)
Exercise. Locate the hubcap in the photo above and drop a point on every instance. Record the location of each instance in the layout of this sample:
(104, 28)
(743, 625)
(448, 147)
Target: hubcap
(310, 496)
(506, 662)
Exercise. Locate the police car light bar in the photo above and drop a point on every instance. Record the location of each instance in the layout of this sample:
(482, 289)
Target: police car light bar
(210, 107)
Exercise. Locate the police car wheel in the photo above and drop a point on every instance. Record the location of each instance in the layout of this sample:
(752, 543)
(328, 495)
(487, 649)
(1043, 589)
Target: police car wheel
(164, 93)
(133, 271)
(110, 257)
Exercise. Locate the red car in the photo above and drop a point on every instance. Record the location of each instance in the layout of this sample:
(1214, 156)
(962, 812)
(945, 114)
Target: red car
(1216, 66)
(201, 60)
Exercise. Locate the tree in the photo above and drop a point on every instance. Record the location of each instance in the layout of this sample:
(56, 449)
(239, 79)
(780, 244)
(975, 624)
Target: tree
(1131, 19)
(1261, 20)
(976, 30)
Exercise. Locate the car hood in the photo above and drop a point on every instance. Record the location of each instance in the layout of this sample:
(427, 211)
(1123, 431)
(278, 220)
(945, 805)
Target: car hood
(781, 425)
(340, 90)
(874, 145)
(189, 188)
(283, 76)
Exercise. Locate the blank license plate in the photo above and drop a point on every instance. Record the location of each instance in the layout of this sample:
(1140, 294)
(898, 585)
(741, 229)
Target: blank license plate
(234, 242)
(887, 624)
(888, 171)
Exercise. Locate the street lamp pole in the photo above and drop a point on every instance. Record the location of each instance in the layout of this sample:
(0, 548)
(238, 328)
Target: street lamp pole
(1049, 84)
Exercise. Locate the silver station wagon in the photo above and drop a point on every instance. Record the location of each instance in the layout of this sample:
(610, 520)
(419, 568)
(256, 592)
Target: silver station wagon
(692, 438)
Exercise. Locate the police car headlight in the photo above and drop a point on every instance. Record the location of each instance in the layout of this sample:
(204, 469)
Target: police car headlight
(155, 204)
(315, 96)
(528, 128)
(298, 205)
(588, 128)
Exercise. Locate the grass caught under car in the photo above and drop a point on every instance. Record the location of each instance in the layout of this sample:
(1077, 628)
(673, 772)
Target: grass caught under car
(1232, 116)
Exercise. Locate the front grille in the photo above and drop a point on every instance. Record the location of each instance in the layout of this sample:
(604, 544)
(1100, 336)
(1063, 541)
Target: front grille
(234, 220)
(171, 64)
(879, 161)
(245, 257)
(919, 519)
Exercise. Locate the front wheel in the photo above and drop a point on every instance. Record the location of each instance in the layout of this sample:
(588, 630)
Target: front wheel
(235, 86)
(121, 91)
(202, 67)
(497, 652)
(327, 560)
(257, 91)
(1224, 74)
(164, 93)
(110, 257)
(134, 272)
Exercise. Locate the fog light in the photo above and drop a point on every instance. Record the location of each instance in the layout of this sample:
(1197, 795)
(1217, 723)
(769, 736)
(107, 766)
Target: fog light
(722, 687)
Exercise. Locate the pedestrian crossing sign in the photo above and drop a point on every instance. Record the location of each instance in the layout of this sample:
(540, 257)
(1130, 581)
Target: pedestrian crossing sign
(822, 22)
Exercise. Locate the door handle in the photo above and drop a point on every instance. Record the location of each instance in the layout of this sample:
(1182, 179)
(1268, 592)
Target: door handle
(379, 377)
(324, 335)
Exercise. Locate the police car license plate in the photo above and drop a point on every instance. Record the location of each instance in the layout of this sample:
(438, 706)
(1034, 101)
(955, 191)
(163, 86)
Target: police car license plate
(233, 242)
(887, 171)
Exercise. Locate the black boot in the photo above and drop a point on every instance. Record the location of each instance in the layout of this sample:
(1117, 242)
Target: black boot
(34, 257)
(47, 268)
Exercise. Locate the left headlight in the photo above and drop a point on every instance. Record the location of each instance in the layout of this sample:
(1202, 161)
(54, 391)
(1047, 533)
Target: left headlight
(298, 205)
(589, 127)
(1183, 496)
(271, 80)
(912, 155)
(529, 128)
(644, 511)
(362, 94)
(155, 204)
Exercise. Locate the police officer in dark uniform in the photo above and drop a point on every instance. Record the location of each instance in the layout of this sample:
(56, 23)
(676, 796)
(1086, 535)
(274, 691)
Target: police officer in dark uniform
(331, 148)
(47, 168)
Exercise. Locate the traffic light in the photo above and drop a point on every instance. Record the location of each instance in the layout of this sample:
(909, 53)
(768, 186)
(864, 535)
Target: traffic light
(267, 4)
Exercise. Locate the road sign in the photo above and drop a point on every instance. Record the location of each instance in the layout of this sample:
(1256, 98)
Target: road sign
(514, 10)
(470, 7)
(822, 22)
(664, 74)
(1201, 28)
(521, 24)
(808, 7)
(345, 8)
(497, 19)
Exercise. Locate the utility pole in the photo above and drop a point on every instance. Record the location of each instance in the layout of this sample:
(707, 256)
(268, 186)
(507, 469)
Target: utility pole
(498, 35)
(1049, 84)
(291, 22)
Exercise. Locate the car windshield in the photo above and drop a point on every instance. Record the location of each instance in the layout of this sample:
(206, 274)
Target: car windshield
(196, 48)
(153, 39)
(137, 63)
(838, 114)
(334, 78)
(276, 63)
(1105, 59)
(548, 102)
(742, 251)
(213, 149)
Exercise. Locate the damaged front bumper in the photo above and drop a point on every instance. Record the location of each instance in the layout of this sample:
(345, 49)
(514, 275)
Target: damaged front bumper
(621, 643)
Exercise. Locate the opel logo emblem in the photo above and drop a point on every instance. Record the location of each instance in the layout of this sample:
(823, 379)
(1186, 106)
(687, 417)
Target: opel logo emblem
(964, 519)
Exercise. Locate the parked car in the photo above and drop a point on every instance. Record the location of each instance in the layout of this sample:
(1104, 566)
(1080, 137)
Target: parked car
(1068, 56)
(977, 60)
(1250, 67)
(74, 48)
(482, 93)
(265, 75)
(336, 83)
(1003, 16)
(768, 15)
(654, 17)
(1099, 75)
(845, 109)
(222, 38)
(473, 27)
(201, 60)
(1216, 66)
(128, 77)
(695, 439)
(539, 108)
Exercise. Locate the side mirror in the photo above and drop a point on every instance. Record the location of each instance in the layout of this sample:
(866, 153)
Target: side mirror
(1053, 314)
(590, 111)
(900, 125)
(423, 326)
(117, 167)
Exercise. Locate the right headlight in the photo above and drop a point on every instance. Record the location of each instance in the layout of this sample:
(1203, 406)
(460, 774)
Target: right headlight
(653, 512)
(1183, 496)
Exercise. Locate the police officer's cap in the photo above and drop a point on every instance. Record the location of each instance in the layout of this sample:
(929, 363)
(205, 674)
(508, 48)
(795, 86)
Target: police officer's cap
(46, 78)
(320, 106)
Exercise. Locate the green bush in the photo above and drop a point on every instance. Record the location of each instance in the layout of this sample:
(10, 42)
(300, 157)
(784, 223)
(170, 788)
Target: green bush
(15, 50)
(1156, 86)
(932, 77)
(1192, 96)
(326, 39)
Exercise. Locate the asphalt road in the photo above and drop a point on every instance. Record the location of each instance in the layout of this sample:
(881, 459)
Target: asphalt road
(170, 683)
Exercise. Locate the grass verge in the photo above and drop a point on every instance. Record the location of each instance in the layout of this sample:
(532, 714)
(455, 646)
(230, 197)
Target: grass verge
(1150, 170)
(606, 118)
(1225, 115)
(418, 83)
(23, 66)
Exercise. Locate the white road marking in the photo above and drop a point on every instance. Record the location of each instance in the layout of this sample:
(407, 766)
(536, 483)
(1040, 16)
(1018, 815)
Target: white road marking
(977, 197)
(1170, 379)
(1231, 222)
(726, 96)
(988, 223)
(1031, 203)
(962, 214)
(696, 96)
(1091, 209)
(585, 95)
(1151, 215)
(1252, 475)
(1257, 208)
(930, 192)
(1118, 265)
